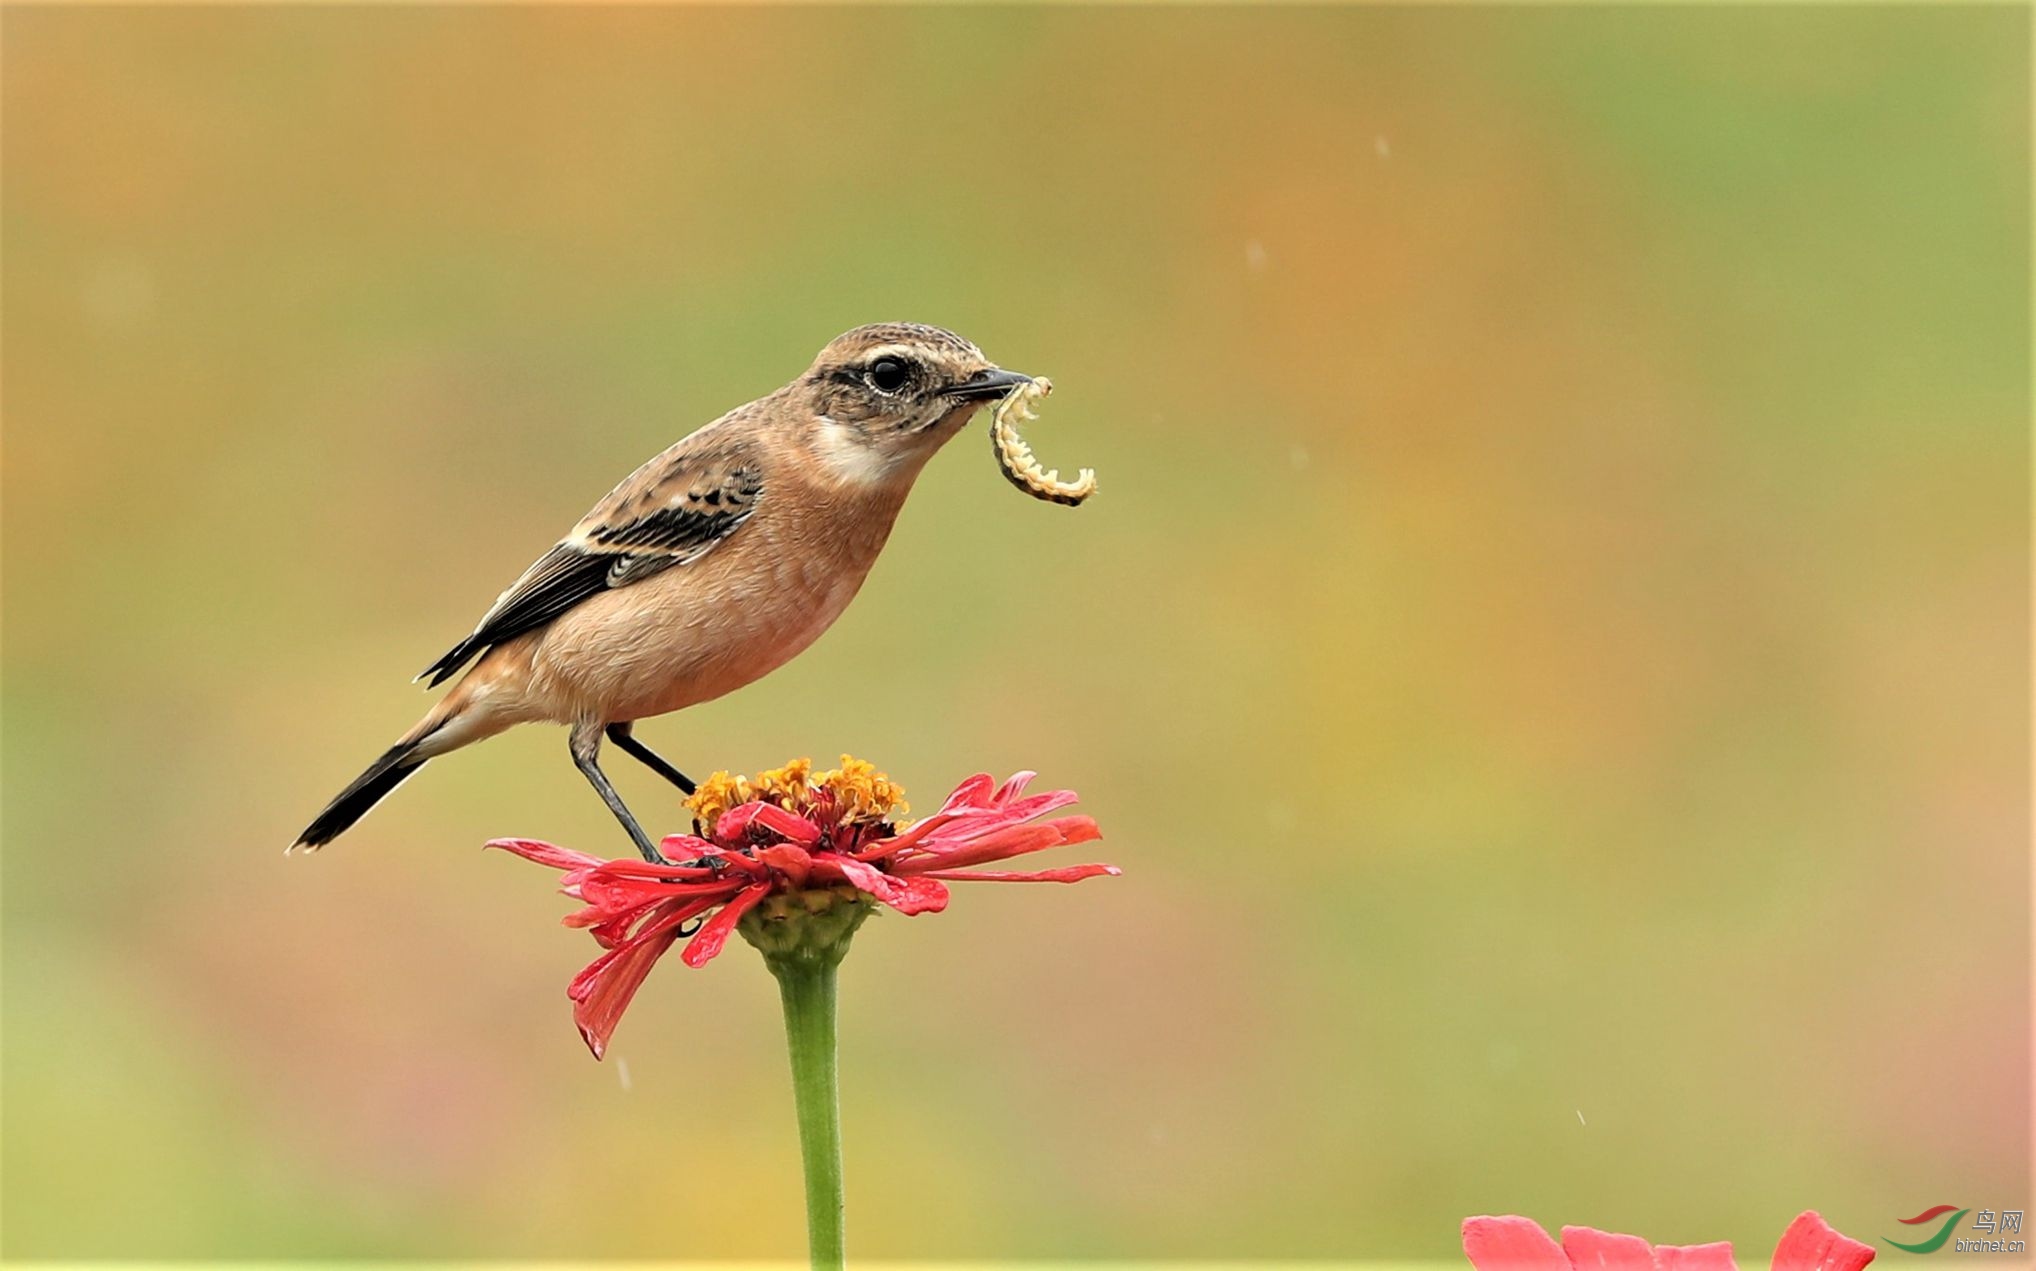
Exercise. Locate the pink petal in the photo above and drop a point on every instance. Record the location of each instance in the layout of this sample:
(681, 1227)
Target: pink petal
(1810, 1244)
(735, 822)
(603, 989)
(1511, 1243)
(545, 853)
(708, 941)
(1066, 874)
(1592, 1250)
(1014, 787)
(1716, 1256)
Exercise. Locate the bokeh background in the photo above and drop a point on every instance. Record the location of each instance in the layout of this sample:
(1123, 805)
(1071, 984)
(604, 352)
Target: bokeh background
(1550, 653)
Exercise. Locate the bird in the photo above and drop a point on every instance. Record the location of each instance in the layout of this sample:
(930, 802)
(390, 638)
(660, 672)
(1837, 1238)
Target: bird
(707, 568)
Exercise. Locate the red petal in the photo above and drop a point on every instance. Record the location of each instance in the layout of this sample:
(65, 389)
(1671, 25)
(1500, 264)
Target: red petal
(856, 874)
(603, 989)
(1066, 874)
(636, 869)
(947, 830)
(1711, 1257)
(682, 847)
(1511, 1243)
(598, 1007)
(789, 859)
(916, 896)
(614, 895)
(545, 853)
(708, 941)
(1003, 844)
(735, 822)
(993, 845)
(1592, 1250)
(742, 861)
(1037, 805)
(903, 841)
(979, 823)
(610, 930)
(972, 793)
(1810, 1244)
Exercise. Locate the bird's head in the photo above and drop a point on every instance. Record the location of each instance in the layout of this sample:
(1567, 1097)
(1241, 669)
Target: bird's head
(883, 398)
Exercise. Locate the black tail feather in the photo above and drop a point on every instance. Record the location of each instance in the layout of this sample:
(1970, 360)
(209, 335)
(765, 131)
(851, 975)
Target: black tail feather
(368, 789)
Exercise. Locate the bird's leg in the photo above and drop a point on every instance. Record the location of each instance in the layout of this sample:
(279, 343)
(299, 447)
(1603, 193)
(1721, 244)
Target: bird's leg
(620, 734)
(586, 744)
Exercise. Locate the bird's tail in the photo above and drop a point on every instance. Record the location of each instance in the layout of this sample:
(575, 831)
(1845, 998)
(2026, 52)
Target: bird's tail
(363, 793)
(455, 721)
(480, 705)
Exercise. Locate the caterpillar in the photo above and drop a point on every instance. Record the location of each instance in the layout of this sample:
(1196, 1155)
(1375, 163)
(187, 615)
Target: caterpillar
(1014, 457)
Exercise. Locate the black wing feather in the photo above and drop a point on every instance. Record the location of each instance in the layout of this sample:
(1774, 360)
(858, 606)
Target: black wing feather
(639, 530)
(562, 578)
(672, 529)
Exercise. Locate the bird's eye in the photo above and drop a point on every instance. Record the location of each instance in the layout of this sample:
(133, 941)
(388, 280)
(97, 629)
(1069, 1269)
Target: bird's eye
(887, 374)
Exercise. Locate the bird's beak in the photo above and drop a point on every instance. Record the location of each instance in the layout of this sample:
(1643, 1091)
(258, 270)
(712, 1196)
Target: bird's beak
(985, 385)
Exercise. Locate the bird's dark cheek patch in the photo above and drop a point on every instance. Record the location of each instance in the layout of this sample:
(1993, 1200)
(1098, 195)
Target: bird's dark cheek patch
(852, 405)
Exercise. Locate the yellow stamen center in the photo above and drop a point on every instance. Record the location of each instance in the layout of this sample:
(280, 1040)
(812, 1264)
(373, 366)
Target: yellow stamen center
(859, 793)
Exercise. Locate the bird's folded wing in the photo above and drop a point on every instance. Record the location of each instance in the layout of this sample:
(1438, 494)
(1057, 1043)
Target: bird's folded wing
(671, 511)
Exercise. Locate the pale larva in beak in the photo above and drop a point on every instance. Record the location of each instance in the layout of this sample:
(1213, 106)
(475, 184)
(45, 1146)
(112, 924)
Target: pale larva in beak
(1014, 457)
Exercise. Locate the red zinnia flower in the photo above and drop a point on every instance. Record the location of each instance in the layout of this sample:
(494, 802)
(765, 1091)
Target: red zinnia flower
(1513, 1243)
(790, 832)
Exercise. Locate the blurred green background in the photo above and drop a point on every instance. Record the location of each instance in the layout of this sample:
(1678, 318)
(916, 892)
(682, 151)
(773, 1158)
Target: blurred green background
(1550, 653)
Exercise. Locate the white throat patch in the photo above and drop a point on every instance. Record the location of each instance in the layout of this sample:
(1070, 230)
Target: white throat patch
(851, 460)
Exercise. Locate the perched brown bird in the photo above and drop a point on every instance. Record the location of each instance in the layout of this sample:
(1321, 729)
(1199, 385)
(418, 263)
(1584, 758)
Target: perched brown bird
(708, 567)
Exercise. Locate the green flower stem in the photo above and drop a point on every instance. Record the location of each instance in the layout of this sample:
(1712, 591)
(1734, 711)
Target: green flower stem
(803, 937)
(807, 987)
